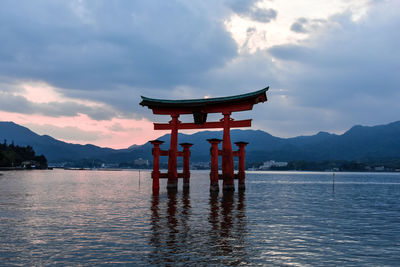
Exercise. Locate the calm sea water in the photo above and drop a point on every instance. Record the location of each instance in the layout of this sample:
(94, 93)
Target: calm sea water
(287, 218)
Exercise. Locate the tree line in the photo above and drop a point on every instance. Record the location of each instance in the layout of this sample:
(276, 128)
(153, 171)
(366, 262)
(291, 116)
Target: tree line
(342, 165)
(12, 155)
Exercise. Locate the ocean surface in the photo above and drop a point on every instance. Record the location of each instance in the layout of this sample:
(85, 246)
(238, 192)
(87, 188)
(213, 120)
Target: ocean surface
(65, 217)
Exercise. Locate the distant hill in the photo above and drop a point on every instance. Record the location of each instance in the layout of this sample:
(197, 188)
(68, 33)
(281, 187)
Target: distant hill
(53, 149)
(358, 143)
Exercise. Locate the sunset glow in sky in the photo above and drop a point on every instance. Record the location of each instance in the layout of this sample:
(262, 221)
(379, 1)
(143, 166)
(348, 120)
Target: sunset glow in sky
(75, 70)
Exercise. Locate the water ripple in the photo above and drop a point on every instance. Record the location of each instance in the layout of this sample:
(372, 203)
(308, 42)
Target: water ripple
(286, 219)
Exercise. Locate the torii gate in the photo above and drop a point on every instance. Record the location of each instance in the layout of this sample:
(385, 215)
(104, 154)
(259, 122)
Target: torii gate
(200, 108)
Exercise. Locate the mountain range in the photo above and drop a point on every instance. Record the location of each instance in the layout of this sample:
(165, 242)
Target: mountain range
(358, 143)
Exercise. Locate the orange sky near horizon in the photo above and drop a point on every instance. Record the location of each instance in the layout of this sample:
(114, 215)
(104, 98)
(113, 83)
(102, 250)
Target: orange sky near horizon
(115, 133)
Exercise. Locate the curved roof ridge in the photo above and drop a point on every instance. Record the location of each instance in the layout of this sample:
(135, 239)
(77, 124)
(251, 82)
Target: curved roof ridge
(149, 101)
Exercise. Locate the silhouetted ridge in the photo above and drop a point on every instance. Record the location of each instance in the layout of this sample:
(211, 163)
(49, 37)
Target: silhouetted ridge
(358, 143)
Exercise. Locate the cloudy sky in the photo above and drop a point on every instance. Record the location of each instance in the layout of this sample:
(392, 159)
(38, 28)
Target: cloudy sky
(75, 69)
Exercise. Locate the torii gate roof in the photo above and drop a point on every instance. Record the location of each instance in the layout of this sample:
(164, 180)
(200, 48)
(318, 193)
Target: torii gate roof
(205, 105)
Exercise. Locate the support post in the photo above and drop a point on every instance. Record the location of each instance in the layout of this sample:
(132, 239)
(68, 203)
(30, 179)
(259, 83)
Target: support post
(214, 187)
(227, 155)
(155, 174)
(186, 164)
(241, 172)
(173, 153)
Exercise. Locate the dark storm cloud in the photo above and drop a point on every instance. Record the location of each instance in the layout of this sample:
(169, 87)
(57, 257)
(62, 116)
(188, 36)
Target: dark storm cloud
(115, 51)
(298, 26)
(91, 45)
(249, 9)
(241, 6)
(355, 58)
(304, 25)
(353, 68)
(263, 15)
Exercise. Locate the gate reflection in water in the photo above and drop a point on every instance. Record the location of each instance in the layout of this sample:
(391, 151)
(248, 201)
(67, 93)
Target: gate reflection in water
(179, 238)
(68, 218)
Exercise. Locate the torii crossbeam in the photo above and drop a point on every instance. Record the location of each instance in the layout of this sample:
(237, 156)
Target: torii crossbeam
(200, 108)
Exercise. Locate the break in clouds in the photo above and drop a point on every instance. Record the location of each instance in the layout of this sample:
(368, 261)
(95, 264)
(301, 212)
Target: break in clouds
(342, 72)
(352, 68)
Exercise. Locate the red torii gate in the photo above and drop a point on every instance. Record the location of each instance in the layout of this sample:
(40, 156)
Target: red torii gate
(200, 108)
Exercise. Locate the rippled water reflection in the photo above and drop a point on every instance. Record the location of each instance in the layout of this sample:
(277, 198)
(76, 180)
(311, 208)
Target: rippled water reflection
(95, 217)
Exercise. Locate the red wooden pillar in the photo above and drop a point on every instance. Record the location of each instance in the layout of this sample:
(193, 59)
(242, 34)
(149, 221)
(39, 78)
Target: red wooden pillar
(173, 154)
(156, 165)
(214, 164)
(241, 172)
(227, 155)
(186, 163)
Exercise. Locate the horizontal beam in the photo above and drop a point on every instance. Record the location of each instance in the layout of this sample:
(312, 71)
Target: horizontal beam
(206, 125)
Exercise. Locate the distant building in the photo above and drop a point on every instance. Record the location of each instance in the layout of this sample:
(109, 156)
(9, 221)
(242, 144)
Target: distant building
(272, 163)
(30, 164)
(200, 165)
(141, 161)
(109, 165)
(379, 168)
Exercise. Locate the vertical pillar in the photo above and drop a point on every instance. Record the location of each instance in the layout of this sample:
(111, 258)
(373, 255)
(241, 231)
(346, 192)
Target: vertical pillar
(156, 165)
(214, 187)
(241, 172)
(227, 155)
(173, 153)
(186, 163)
